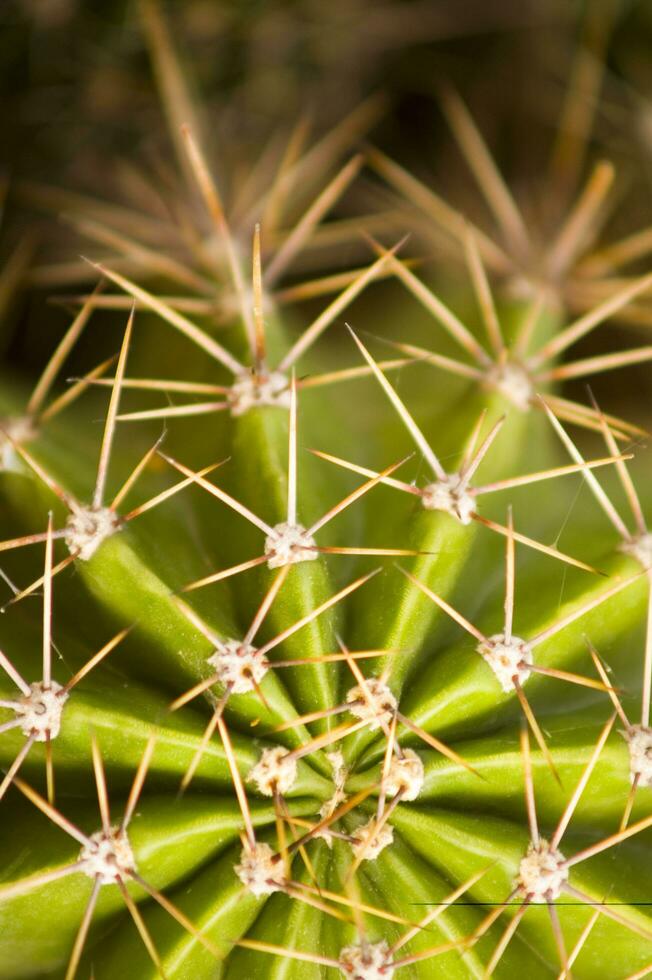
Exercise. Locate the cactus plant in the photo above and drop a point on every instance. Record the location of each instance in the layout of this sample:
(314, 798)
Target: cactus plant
(380, 709)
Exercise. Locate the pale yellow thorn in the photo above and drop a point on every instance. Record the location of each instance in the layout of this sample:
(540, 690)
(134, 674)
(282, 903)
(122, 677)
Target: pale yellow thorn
(504, 940)
(615, 700)
(309, 617)
(111, 415)
(566, 675)
(153, 260)
(623, 473)
(100, 782)
(487, 175)
(528, 781)
(51, 813)
(451, 323)
(285, 951)
(596, 365)
(586, 417)
(237, 780)
(629, 803)
(536, 545)
(607, 910)
(205, 739)
(75, 390)
(333, 310)
(96, 658)
(483, 293)
(177, 914)
(577, 948)
(220, 494)
(137, 785)
(18, 761)
(47, 607)
(49, 769)
(550, 474)
(510, 576)
(589, 321)
(225, 573)
(29, 589)
(447, 608)
(16, 677)
(277, 194)
(52, 368)
(139, 922)
(259, 348)
(318, 715)
(164, 384)
(312, 217)
(558, 934)
(266, 604)
(474, 463)
(571, 806)
(355, 495)
(175, 411)
(434, 206)
(436, 744)
(82, 932)
(591, 480)
(134, 475)
(175, 319)
(578, 224)
(363, 471)
(319, 158)
(536, 729)
(215, 209)
(175, 98)
(620, 253)
(435, 913)
(413, 429)
(193, 692)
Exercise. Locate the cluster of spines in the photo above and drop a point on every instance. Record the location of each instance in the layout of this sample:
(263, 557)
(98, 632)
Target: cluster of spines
(238, 666)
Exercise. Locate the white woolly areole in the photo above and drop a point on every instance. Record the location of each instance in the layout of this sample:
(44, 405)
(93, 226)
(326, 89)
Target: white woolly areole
(40, 711)
(374, 703)
(289, 544)
(340, 775)
(369, 841)
(87, 528)
(514, 383)
(17, 430)
(275, 771)
(250, 390)
(108, 857)
(507, 660)
(639, 548)
(239, 665)
(258, 872)
(447, 495)
(337, 764)
(541, 874)
(639, 742)
(405, 773)
(523, 288)
(366, 961)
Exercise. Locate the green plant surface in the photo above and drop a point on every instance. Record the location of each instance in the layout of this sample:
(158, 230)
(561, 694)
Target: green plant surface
(326, 652)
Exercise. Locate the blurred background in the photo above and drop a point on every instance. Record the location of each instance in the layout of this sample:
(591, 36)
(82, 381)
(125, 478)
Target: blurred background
(552, 85)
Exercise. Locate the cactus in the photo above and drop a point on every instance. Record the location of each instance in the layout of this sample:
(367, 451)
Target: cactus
(332, 677)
